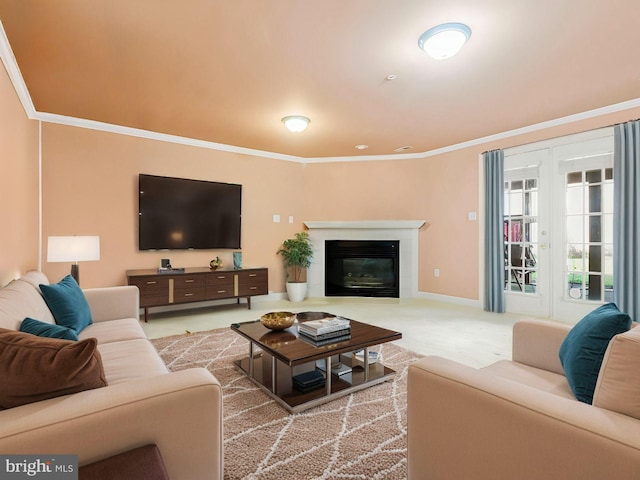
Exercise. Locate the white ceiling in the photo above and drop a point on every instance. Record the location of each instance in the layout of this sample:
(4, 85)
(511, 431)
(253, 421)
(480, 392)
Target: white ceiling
(228, 71)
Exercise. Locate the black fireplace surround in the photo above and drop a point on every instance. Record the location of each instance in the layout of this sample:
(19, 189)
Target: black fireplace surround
(362, 268)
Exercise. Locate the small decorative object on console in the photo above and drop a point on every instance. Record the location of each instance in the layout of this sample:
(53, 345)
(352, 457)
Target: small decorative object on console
(278, 320)
(215, 263)
(237, 260)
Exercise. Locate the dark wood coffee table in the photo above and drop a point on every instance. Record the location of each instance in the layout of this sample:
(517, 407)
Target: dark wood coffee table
(276, 357)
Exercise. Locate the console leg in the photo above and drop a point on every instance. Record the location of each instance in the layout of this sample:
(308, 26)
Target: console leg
(249, 303)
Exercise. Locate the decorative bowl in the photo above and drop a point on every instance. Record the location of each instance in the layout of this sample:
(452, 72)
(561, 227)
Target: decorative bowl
(278, 320)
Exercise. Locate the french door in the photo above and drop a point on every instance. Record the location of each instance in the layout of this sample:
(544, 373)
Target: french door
(558, 226)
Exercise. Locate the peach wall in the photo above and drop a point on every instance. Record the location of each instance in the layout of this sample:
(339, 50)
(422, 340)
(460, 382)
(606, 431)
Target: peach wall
(18, 185)
(439, 190)
(90, 189)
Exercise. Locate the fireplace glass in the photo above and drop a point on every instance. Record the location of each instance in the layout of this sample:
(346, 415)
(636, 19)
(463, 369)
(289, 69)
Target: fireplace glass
(362, 268)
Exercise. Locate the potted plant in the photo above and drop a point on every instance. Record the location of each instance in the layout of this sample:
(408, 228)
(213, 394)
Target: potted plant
(296, 253)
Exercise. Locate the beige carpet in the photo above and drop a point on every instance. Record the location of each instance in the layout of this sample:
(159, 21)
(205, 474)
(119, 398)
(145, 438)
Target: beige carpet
(359, 436)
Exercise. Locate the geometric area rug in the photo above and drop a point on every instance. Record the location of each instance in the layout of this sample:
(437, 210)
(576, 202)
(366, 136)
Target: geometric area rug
(359, 436)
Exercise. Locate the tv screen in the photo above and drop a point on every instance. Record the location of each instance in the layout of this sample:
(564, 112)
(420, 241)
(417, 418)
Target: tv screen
(179, 214)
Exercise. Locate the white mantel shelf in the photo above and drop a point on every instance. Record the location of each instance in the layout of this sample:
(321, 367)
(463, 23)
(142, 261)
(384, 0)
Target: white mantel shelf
(405, 231)
(370, 224)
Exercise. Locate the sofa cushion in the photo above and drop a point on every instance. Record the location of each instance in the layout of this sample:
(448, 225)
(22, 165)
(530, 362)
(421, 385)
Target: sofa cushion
(531, 376)
(583, 348)
(618, 387)
(114, 331)
(36, 368)
(22, 299)
(67, 303)
(35, 278)
(130, 360)
(43, 329)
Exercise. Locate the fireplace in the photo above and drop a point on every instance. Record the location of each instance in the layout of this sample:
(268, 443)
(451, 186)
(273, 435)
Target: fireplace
(404, 231)
(362, 268)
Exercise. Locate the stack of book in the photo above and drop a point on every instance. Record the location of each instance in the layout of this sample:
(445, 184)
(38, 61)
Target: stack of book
(326, 330)
(308, 381)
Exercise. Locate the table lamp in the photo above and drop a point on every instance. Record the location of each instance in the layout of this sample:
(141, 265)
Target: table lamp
(73, 249)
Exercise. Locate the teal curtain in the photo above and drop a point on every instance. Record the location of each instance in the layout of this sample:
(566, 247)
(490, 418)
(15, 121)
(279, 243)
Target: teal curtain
(626, 218)
(493, 236)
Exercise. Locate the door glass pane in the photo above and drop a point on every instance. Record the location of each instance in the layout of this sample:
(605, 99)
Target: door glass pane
(589, 234)
(575, 230)
(521, 236)
(574, 201)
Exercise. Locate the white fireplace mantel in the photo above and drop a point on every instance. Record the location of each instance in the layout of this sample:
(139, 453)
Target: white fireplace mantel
(405, 231)
(367, 224)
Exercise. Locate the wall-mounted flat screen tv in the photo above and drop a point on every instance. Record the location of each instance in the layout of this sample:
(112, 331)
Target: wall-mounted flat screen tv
(180, 214)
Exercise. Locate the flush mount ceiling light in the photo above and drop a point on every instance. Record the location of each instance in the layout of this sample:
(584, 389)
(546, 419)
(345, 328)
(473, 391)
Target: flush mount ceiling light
(444, 41)
(295, 123)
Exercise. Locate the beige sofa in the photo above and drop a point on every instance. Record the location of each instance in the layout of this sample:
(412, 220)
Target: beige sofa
(519, 419)
(143, 403)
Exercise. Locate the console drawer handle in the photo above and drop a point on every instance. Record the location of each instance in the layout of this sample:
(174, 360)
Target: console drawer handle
(222, 276)
(188, 294)
(253, 274)
(222, 291)
(189, 281)
(152, 283)
(253, 288)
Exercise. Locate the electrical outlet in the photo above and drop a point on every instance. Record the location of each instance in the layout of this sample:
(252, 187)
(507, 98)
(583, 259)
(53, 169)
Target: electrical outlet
(290, 218)
(276, 218)
(436, 272)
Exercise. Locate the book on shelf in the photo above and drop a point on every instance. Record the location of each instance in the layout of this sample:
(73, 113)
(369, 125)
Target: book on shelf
(308, 381)
(337, 368)
(324, 325)
(325, 336)
(359, 356)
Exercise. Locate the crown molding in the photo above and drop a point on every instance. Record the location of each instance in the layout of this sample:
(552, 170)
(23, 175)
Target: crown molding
(162, 137)
(11, 65)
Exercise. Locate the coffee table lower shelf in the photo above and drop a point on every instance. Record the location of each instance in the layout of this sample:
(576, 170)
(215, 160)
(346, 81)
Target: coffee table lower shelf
(295, 401)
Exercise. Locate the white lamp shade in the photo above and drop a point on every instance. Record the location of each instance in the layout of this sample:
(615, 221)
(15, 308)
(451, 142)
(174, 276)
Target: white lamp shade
(73, 249)
(296, 123)
(444, 41)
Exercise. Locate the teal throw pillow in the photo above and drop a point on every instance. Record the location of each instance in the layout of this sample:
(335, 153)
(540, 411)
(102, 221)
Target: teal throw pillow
(68, 304)
(583, 349)
(43, 329)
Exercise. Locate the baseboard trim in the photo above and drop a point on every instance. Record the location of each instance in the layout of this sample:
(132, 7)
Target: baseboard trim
(449, 299)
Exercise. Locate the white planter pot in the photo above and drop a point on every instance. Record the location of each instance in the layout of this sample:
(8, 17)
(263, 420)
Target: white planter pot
(296, 291)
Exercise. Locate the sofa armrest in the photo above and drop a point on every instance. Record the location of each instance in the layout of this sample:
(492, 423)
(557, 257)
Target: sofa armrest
(113, 303)
(468, 423)
(180, 412)
(537, 343)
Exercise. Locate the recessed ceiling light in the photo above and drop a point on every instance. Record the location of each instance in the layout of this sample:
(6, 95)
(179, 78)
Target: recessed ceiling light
(362, 147)
(296, 123)
(391, 77)
(444, 41)
(402, 149)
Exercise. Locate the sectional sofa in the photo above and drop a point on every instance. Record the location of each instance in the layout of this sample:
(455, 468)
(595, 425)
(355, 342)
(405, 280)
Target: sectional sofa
(520, 419)
(141, 404)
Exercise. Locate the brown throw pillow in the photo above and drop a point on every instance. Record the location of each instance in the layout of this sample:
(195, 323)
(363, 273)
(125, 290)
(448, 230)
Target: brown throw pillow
(36, 368)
